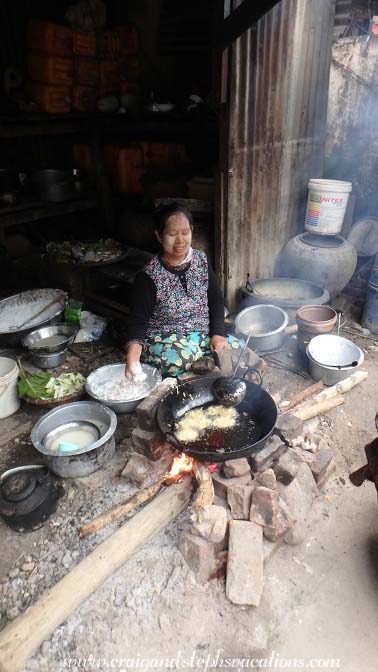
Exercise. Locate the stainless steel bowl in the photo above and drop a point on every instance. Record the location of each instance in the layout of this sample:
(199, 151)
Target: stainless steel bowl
(335, 351)
(265, 324)
(117, 372)
(49, 361)
(84, 461)
(66, 331)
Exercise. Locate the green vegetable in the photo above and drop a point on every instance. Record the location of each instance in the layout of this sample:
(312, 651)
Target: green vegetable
(42, 385)
(34, 384)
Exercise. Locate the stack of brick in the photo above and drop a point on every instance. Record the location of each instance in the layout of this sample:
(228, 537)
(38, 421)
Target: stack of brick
(259, 502)
(264, 500)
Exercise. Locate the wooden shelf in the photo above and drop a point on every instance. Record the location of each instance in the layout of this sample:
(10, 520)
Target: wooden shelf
(161, 128)
(37, 210)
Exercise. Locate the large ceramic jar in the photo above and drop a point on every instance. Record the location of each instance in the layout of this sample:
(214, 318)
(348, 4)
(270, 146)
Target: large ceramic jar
(327, 261)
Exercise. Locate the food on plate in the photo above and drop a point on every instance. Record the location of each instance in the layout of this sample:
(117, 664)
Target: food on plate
(85, 252)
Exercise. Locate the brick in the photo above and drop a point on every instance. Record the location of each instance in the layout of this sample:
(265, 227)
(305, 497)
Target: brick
(289, 426)
(158, 447)
(142, 440)
(239, 498)
(286, 468)
(203, 366)
(272, 450)
(236, 468)
(245, 567)
(222, 484)
(223, 359)
(271, 512)
(144, 472)
(213, 524)
(147, 409)
(136, 469)
(199, 556)
(321, 463)
(267, 479)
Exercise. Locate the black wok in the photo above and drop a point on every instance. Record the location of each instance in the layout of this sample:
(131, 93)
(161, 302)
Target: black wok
(258, 415)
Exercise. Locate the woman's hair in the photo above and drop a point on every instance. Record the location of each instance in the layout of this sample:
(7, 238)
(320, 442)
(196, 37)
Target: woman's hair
(164, 213)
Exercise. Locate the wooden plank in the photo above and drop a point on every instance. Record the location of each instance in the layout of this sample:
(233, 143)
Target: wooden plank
(38, 210)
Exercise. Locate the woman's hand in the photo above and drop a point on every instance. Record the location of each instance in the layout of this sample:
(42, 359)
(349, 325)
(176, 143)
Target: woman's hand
(133, 368)
(218, 343)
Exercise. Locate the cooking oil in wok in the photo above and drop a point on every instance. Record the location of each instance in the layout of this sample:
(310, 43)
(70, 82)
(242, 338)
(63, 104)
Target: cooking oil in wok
(243, 432)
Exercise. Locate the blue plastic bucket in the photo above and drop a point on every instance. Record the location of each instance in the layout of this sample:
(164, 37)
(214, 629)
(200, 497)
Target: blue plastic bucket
(370, 314)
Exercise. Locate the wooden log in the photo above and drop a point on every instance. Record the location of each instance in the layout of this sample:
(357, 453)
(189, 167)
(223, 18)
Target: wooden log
(311, 410)
(22, 638)
(340, 388)
(205, 492)
(120, 510)
(296, 399)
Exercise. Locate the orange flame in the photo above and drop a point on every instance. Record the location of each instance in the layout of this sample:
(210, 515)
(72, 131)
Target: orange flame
(181, 464)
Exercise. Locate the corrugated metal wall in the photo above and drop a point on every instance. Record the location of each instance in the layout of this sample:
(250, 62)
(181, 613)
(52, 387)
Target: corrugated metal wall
(278, 106)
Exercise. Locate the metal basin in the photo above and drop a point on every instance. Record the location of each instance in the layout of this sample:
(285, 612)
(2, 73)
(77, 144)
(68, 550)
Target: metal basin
(264, 324)
(82, 461)
(338, 356)
(33, 341)
(14, 310)
(335, 351)
(116, 372)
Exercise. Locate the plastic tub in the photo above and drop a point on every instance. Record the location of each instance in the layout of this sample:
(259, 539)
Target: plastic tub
(9, 399)
(326, 205)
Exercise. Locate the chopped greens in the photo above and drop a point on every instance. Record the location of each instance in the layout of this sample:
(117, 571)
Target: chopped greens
(43, 385)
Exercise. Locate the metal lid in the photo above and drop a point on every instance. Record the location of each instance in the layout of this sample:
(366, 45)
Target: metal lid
(364, 236)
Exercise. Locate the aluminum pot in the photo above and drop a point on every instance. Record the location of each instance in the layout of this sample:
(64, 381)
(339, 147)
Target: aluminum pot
(113, 372)
(83, 461)
(266, 325)
(328, 374)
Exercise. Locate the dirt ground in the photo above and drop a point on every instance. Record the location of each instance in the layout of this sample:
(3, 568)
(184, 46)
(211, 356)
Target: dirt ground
(320, 602)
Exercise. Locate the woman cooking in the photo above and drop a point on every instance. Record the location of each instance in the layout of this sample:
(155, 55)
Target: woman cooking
(177, 310)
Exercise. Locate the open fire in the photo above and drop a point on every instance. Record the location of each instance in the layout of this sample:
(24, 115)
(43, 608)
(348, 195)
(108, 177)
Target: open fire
(182, 464)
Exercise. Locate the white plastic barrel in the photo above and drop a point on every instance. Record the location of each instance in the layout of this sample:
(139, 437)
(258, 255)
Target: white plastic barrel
(9, 399)
(326, 205)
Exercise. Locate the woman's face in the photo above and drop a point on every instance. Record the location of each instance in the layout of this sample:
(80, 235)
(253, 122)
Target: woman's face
(177, 237)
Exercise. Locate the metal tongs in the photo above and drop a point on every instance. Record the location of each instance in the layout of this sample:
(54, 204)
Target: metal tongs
(228, 390)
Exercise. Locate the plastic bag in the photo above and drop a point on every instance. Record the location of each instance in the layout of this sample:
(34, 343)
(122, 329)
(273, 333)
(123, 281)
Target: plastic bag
(91, 327)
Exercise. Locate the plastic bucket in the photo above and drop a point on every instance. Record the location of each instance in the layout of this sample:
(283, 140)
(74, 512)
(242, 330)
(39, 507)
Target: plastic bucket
(370, 314)
(9, 399)
(326, 205)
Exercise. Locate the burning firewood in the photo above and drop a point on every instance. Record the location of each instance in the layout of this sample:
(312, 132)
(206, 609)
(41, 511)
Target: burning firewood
(180, 466)
(205, 492)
